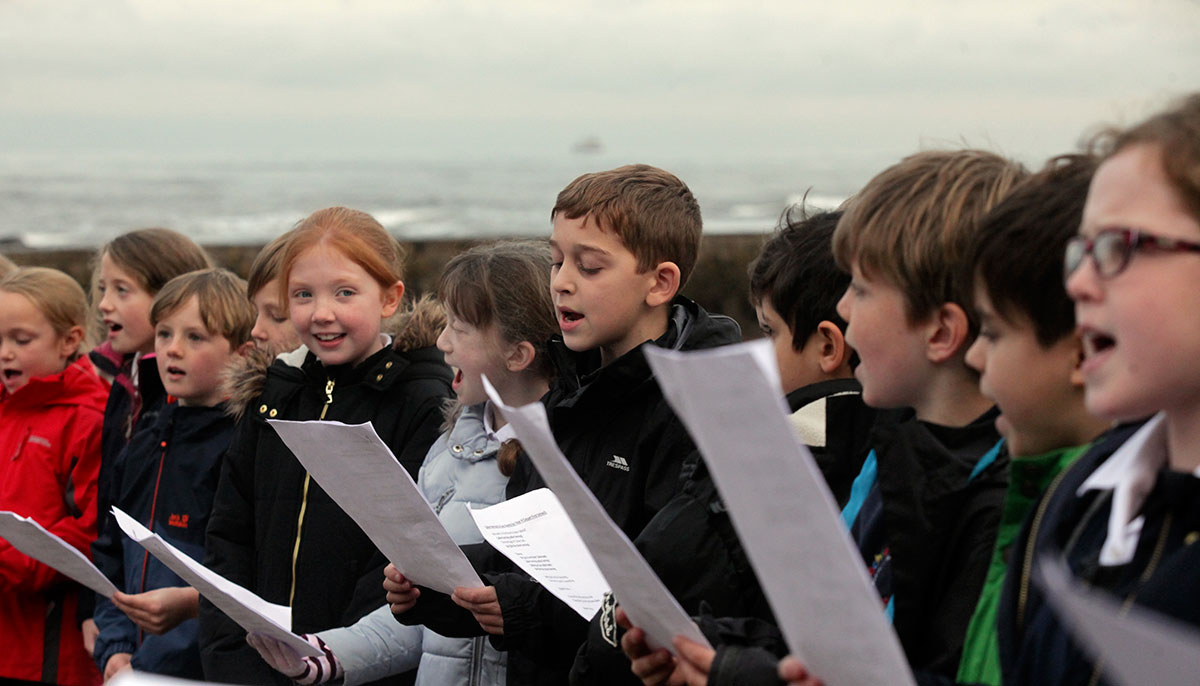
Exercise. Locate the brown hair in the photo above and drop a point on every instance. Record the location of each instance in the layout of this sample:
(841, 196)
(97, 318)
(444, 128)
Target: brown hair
(911, 225)
(154, 256)
(506, 284)
(6, 266)
(58, 297)
(1016, 256)
(1176, 132)
(653, 213)
(356, 235)
(266, 265)
(220, 297)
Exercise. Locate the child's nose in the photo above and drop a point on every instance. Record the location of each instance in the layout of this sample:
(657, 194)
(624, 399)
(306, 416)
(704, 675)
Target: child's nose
(561, 282)
(1084, 283)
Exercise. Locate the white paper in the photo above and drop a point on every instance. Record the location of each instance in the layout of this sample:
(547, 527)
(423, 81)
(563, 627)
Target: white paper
(783, 512)
(132, 677)
(1135, 647)
(639, 591)
(32, 539)
(251, 612)
(358, 470)
(535, 532)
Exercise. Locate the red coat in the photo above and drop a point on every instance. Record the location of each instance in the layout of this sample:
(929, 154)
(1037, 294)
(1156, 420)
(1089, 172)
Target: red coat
(49, 459)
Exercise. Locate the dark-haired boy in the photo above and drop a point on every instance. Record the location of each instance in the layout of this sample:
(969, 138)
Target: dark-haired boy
(1028, 356)
(624, 243)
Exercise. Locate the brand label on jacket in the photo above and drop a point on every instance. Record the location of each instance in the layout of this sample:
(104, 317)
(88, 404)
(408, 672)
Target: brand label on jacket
(618, 462)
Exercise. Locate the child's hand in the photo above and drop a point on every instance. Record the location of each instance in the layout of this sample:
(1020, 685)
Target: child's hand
(301, 669)
(694, 661)
(483, 604)
(160, 610)
(90, 631)
(401, 594)
(795, 673)
(118, 663)
(652, 667)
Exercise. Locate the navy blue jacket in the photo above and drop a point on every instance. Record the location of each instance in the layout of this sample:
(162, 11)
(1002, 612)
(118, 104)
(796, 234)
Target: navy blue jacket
(165, 479)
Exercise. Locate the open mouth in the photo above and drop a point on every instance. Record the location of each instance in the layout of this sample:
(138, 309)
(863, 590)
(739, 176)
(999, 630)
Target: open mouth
(1096, 343)
(12, 373)
(175, 371)
(458, 378)
(113, 327)
(329, 337)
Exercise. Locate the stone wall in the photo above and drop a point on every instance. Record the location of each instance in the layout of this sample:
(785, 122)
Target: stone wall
(719, 282)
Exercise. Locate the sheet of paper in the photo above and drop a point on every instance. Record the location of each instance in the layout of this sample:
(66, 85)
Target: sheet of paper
(783, 512)
(358, 470)
(1137, 648)
(131, 677)
(251, 612)
(30, 538)
(535, 532)
(639, 591)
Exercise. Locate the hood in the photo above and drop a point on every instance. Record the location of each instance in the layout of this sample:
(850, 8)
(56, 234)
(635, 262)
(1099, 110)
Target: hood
(415, 327)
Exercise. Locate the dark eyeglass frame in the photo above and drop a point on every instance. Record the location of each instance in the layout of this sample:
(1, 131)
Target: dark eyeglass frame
(1111, 249)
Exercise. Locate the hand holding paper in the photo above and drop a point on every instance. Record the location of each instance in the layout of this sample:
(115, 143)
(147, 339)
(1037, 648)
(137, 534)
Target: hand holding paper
(251, 612)
(649, 604)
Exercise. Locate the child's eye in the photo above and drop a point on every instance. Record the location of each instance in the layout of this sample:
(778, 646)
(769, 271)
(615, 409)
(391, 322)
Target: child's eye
(195, 337)
(345, 292)
(302, 294)
(766, 330)
(555, 266)
(22, 340)
(163, 334)
(588, 270)
(279, 320)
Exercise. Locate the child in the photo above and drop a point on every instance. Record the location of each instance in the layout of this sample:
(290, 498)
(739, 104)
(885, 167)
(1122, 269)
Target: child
(924, 509)
(1028, 355)
(166, 476)
(51, 411)
(129, 270)
(793, 274)
(500, 317)
(273, 331)
(274, 530)
(623, 243)
(1125, 521)
(794, 287)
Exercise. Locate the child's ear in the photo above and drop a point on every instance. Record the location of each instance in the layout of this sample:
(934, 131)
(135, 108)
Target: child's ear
(70, 343)
(665, 285)
(520, 356)
(833, 353)
(392, 295)
(948, 329)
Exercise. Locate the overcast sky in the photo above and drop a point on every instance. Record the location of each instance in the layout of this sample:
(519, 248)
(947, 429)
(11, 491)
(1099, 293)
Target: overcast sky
(525, 77)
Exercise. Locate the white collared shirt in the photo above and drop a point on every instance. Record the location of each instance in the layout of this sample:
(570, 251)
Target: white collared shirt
(1130, 474)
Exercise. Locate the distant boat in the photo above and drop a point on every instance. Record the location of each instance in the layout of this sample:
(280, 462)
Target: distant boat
(588, 146)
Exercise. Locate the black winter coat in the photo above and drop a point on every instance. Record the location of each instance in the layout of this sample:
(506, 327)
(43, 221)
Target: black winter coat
(1162, 576)
(266, 506)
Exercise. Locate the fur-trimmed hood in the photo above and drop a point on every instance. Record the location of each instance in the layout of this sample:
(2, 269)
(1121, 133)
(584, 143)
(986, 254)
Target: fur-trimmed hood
(415, 327)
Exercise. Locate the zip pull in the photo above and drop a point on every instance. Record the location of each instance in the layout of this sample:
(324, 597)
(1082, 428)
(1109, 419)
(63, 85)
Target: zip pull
(328, 397)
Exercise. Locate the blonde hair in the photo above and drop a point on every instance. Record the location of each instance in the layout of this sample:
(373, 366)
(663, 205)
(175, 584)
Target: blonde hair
(6, 266)
(220, 297)
(58, 297)
(912, 224)
(356, 235)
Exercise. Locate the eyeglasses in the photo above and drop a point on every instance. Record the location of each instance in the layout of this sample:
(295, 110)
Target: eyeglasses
(1111, 250)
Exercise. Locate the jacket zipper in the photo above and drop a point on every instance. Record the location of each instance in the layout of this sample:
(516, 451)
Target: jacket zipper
(476, 677)
(1155, 557)
(304, 499)
(162, 458)
(1030, 546)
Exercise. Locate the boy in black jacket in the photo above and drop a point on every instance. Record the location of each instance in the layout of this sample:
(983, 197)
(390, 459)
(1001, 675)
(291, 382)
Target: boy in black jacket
(794, 286)
(167, 475)
(624, 242)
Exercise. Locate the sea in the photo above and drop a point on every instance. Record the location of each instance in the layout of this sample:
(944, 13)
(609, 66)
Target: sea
(59, 200)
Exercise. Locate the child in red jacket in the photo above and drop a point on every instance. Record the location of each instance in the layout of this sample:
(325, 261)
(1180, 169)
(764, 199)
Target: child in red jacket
(51, 411)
